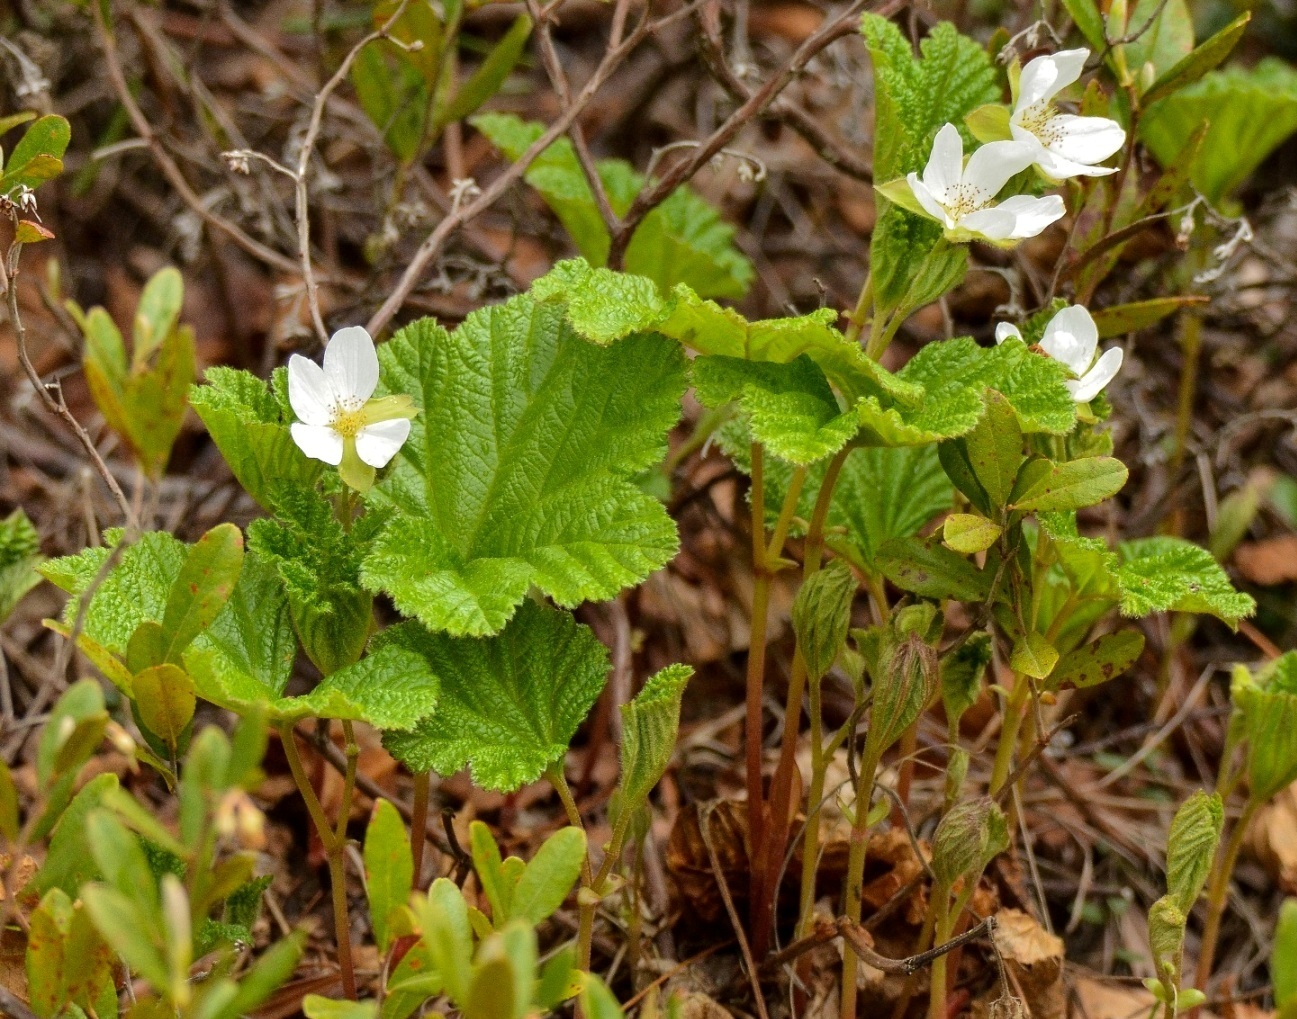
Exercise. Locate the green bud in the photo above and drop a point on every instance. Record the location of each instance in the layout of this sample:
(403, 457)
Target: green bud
(903, 686)
(822, 615)
(971, 834)
(1191, 847)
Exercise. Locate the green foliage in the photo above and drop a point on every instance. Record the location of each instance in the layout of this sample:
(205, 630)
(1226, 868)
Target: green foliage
(913, 98)
(927, 568)
(994, 450)
(509, 704)
(1191, 847)
(1102, 659)
(967, 533)
(962, 670)
(1045, 486)
(519, 468)
(531, 892)
(1250, 112)
(319, 562)
(20, 555)
(1033, 655)
(407, 86)
(1283, 959)
(1266, 705)
(248, 426)
(683, 240)
(144, 400)
(650, 723)
(1169, 574)
(952, 375)
(389, 871)
(789, 408)
(68, 962)
(38, 156)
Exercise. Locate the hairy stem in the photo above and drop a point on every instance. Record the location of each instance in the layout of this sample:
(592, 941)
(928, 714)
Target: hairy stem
(856, 872)
(419, 822)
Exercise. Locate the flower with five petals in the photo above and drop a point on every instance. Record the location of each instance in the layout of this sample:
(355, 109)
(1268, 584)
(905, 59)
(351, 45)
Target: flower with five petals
(1072, 337)
(962, 197)
(338, 421)
(1063, 145)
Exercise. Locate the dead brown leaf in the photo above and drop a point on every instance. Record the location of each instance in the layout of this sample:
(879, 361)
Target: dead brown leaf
(1268, 562)
(1101, 999)
(1272, 838)
(1034, 960)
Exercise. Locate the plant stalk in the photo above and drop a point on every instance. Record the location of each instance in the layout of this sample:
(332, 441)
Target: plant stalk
(335, 843)
(419, 822)
(856, 872)
(1014, 710)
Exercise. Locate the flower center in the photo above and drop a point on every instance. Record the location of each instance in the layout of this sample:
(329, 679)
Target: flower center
(348, 417)
(1041, 120)
(961, 199)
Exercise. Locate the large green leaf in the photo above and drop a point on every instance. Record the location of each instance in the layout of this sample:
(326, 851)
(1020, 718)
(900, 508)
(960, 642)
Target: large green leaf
(1250, 112)
(1170, 574)
(509, 704)
(519, 468)
(603, 306)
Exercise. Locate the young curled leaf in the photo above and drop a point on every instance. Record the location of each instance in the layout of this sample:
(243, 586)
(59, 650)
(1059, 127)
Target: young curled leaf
(821, 616)
(1191, 847)
(649, 726)
(971, 834)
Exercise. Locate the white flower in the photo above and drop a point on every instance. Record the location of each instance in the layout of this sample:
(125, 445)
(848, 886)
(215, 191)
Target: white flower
(962, 198)
(1073, 338)
(337, 421)
(1062, 144)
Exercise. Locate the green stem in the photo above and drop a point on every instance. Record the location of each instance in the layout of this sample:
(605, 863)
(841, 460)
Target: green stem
(335, 843)
(856, 872)
(861, 313)
(419, 822)
(1014, 709)
(811, 832)
(946, 919)
(1218, 895)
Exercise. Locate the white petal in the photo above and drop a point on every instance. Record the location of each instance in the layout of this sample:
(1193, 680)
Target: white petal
(376, 444)
(318, 442)
(1055, 167)
(946, 163)
(309, 392)
(1087, 139)
(1093, 382)
(1032, 215)
(1046, 76)
(1037, 82)
(929, 202)
(994, 223)
(351, 364)
(1081, 337)
(991, 166)
(1004, 330)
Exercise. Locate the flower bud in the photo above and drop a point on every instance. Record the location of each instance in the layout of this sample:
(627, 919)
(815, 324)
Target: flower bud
(970, 835)
(905, 682)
